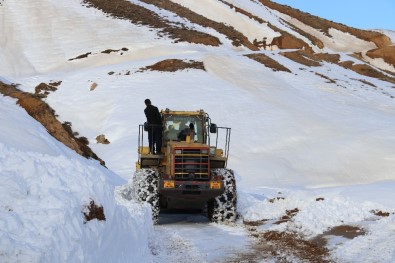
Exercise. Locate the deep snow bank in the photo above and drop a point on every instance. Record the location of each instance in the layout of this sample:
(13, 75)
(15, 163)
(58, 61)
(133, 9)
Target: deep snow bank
(44, 189)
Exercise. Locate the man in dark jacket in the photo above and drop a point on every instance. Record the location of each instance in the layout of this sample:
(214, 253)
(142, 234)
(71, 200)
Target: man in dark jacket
(154, 120)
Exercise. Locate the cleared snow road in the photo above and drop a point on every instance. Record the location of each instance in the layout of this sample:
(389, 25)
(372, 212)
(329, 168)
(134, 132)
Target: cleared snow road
(189, 237)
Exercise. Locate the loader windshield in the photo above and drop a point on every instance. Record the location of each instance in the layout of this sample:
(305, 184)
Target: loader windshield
(174, 124)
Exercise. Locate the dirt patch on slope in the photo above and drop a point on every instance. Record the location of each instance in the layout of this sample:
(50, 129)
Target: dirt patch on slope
(302, 57)
(44, 114)
(289, 214)
(380, 213)
(107, 51)
(288, 41)
(314, 40)
(43, 89)
(93, 211)
(311, 59)
(367, 70)
(324, 25)
(172, 65)
(141, 16)
(329, 80)
(315, 60)
(386, 53)
(268, 62)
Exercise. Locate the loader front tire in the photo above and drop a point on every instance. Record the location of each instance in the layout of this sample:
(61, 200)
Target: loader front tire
(223, 207)
(145, 189)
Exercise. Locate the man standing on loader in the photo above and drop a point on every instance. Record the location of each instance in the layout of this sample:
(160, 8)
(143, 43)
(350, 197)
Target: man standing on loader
(154, 123)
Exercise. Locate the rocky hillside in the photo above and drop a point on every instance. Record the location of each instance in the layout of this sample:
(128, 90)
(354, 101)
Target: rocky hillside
(293, 29)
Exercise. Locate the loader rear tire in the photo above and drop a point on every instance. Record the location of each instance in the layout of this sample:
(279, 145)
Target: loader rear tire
(145, 190)
(223, 207)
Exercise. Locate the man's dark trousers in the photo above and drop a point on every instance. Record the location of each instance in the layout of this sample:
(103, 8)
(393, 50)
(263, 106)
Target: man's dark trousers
(155, 138)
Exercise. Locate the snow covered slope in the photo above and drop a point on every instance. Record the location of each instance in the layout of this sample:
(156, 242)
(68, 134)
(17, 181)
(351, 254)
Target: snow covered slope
(45, 189)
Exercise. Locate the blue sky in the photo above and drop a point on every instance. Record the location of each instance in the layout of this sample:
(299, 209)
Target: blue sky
(378, 14)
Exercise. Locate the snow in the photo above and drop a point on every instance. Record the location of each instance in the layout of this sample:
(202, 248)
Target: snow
(214, 242)
(380, 238)
(66, 37)
(389, 33)
(295, 138)
(339, 41)
(46, 187)
(218, 12)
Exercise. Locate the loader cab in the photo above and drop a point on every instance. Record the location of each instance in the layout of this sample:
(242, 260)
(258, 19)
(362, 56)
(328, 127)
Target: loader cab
(176, 124)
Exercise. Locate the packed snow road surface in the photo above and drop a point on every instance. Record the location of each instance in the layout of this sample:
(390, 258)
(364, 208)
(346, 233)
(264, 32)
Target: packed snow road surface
(189, 237)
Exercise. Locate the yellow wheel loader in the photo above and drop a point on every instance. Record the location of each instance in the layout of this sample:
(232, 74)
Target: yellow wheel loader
(190, 171)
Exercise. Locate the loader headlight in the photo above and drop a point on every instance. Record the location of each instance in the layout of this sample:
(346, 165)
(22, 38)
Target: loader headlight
(204, 151)
(178, 151)
(215, 184)
(212, 151)
(168, 184)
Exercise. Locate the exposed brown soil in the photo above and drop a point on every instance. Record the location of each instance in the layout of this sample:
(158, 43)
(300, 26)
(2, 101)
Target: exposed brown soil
(272, 200)
(285, 247)
(139, 15)
(387, 53)
(329, 80)
(93, 211)
(102, 139)
(317, 42)
(288, 41)
(346, 231)
(81, 56)
(280, 242)
(331, 58)
(44, 89)
(44, 114)
(107, 51)
(268, 62)
(93, 86)
(315, 59)
(289, 214)
(361, 58)
(302, 57)
(324, 25)
(367, 70)
(311, 59)
(365, 82)
(380, 213)
(254, 223)
(172, 65)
